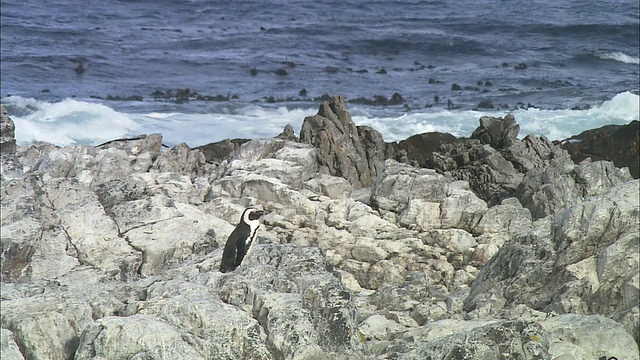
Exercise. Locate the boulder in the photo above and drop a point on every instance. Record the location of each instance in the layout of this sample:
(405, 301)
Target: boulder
(344, 149)
(137, 336)
(469, 340)
(10, 166)
(419, 148)
(182, 160)
(538, 173)
(8, 346)
(588, 337)
(7, 134)
(217, 152)
(615, 143)
(582, 261)
(497, 132)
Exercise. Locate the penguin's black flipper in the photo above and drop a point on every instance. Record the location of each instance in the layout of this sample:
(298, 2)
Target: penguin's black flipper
(228, 257)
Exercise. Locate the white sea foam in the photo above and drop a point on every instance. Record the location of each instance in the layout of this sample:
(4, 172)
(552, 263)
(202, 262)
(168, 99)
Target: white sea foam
(72, 121)
(553, 124)
(620, 56)
(67, 122)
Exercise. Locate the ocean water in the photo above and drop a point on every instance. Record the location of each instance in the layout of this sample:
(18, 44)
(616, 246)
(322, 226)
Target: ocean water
(561, 67)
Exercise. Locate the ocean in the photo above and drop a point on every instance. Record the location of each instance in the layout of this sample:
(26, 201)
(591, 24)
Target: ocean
(201, 71)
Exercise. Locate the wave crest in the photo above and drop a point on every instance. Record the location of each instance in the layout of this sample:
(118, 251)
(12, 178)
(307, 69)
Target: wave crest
(621, 57)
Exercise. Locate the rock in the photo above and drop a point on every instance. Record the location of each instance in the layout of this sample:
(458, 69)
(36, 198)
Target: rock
(222, 150)
(296, 299)
(182, 160)
(398, 184)
(113, 251)
(461, 209)
(331, 186)
(588, 337)
(477, 341)
(535, 171)
(136, 336)
(141, 144)
(507, 217)
(286, 161)
(287, 134)
(548, 190)
(615, 143)
(377, 327)
(344, 149)
(8, 346)
(497, 132)
(491, 177)
(10, 166)
(582, 261)
(7, 134)
(419, 148)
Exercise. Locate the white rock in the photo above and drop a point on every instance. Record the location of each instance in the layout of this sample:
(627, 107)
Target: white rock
(378, 327)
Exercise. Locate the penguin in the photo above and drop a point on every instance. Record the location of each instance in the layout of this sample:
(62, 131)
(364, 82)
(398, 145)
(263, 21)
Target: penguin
(240, 239)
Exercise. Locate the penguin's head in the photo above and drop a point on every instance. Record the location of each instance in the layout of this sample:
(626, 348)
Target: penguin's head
(251, 217)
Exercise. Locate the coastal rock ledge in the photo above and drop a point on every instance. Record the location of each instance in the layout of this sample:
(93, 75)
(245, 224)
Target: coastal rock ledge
(490, 247)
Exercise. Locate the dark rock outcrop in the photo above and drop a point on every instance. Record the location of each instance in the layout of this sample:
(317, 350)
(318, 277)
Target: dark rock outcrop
(353, 152)
(498, 133)
(540, 174)
(7, 134)
(10, 166)
(616, 143)
(419, 148)
(222, 150)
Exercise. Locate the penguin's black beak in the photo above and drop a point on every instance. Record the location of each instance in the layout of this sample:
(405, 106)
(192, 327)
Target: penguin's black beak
(261, 213)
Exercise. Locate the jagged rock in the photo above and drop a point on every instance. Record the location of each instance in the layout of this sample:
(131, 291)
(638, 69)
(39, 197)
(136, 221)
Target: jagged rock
(588, 337)
(507, 217)
(102, 245)
(541, 175)
(291, 163)
(419, 148)
(583, 261)
(400, 183)
(464, 340)
(194, 311)
(548, 190)
(287, 134)
(615, 143)
(8, 346)
(10, 166)
(7, 134)
(344, 149)
(136, 336)
(331, 186)
(296, 298)
(497, 132)
(182, 160)
(222, 150)
(141, 144)
(378, 327)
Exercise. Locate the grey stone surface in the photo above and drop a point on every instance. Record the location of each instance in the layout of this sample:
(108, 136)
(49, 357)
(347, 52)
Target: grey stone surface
(113, 251)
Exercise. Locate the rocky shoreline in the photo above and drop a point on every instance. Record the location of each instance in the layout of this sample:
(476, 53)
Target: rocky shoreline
(435, 247)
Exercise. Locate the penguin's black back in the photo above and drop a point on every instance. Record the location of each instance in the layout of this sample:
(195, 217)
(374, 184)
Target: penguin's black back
(235, 248)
